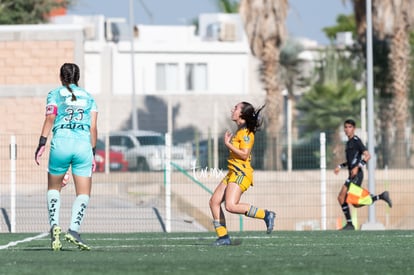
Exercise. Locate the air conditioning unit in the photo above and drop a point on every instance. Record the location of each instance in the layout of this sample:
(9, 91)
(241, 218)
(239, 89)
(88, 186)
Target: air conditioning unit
(116, 29)
(111, 31)
(213, 31)
(228, 31)
(344, 38)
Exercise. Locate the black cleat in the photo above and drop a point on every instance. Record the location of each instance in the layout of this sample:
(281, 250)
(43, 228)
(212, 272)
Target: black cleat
(74, 237)
(385, 196)
(348, 226)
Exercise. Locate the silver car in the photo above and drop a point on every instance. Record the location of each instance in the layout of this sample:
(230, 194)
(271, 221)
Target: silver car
(145, 150)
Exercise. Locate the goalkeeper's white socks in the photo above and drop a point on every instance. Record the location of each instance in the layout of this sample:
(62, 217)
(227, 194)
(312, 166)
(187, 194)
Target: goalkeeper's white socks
(53, 206)
(78, 211)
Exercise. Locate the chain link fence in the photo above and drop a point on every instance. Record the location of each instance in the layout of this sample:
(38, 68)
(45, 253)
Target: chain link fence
(304, 198)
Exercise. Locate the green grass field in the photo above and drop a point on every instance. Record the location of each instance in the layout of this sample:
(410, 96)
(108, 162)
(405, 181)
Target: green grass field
(306, 252)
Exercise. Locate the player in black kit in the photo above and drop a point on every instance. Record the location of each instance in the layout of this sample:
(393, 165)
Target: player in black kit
(357, 157)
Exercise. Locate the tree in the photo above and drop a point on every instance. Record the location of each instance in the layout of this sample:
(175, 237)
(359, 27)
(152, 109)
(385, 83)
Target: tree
(265, 27)
(334, 98)
(228, 6)
(354, 53)
(411, 73)
(392, 20)
(344, 23)
(29, 11)
(290, 66)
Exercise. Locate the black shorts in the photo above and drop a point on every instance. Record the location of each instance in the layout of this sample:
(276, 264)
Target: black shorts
(356, 180)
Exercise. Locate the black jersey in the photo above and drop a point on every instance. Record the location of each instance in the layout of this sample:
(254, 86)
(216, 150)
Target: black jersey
(353, 151)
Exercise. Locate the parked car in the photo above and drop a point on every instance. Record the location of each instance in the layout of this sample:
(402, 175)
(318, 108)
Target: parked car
(145, 150)
(201, 153)
(205, 157)
(117, 161)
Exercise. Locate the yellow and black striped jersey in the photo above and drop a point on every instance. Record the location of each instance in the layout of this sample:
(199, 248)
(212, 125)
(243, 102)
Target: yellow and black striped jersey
(242, 139)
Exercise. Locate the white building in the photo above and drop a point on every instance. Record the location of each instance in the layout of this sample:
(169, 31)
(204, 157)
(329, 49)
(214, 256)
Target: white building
(169, 59)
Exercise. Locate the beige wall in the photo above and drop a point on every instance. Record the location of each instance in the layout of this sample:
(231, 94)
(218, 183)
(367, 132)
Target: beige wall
(30, 58)
(25, 62)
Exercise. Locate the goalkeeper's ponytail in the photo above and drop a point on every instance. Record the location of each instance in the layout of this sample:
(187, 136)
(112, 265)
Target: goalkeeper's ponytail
(70, 74)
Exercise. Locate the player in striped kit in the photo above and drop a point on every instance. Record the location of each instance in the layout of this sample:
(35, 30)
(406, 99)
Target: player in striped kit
(240, 175)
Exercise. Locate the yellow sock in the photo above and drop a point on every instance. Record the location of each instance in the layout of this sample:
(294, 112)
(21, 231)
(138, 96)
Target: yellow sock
(255, 212)
(220, 228)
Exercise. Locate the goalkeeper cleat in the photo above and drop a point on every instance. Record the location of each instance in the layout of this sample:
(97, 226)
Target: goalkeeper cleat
(74, 237)
(348, 226)
(269, 220)
(386, 197)
(55, 237)
(222, 241)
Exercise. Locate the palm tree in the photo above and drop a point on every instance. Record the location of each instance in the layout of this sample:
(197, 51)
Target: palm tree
(266, 31)
(333, 98)
(392, 20)
(228, 6)
(326, 106)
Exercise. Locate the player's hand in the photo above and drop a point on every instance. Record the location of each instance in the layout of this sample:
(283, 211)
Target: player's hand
(65, 179)
(40, 148)
(336, 170)
(93, 164)
(227, 137)
(39, 152)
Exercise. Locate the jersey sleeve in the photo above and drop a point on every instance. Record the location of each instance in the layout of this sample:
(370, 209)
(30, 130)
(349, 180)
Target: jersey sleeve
(51, 104)
(246, 139)
(361, 146)
(94, 107)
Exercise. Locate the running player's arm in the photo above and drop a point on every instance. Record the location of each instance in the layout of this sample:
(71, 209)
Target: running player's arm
(242, 152)
(342, 165)
(366, 156)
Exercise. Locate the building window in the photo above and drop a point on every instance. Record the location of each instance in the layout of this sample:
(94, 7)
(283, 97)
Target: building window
(196, 76)
(167, 77)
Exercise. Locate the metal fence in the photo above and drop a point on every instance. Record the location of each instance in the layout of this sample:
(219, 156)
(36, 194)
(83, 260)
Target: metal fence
(176, 200)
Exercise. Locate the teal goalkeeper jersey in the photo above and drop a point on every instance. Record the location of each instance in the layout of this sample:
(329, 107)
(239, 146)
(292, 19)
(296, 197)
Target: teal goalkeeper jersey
(73, 118)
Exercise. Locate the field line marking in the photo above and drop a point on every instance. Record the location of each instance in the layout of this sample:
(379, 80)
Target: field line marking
(14, 243)
(166, 237)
